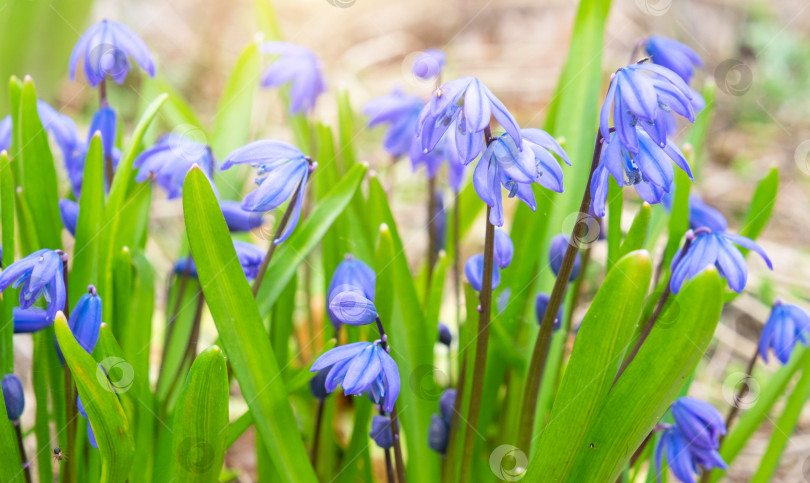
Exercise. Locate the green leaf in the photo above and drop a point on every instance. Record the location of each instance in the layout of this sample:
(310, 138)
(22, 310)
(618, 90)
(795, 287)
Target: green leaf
(601, 342)
(679, 217)
(201, 419)
(635, 237)
(10, 462)
(104, 411)
(7, 226)
(306, 237)
(43, 344)
(241, 330)
(651, 381)
(346, 131)
(761, 207)
(614, 234)
(356, 461)
(434, 302)
(268, 21)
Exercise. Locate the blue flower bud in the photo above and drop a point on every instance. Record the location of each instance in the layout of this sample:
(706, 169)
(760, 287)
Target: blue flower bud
(504, 249)
(13, 396)
(30, 320)
(445, 337)
(438, 433)
(429, 63)
(317, 385)
(446, 404)
(85, 320)
(238, 219)
(381, 431)
(69, 211)
(540, 306)
(556, 253)
(474, 270)
(105, 122)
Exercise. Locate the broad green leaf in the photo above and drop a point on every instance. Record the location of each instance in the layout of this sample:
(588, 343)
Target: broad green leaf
(107, 418)
(88, 226)
(7, 225)
(601, 342)
(637, 233)
(241, 330)
(201, 419)
(614, 228)
(39, 365)
(268, 21)
(651, 381)
(309, 232)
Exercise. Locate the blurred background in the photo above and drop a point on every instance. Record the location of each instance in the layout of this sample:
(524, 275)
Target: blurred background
(757, 54)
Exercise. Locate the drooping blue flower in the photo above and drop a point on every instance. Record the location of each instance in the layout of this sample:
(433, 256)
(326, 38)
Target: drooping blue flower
(350, 273)
(443, 153)
(474, 270)
(715, 249)
(90, 435)
(504, 164)
(429, 64)
(170, 159)
(640, 96)
(675, 56)
(467, 105)
(13, 396)
(40, 275)
(5, 133)
(381, 431)
(301, 67)
(249, 255)
(317, 385)
(786, 325)
(349, 306)
(85, 319)
(438, 434)
(556, 253)
(649, 170)
(684, 459)
(283, 172)
(703, 215)
(699, 421)
(30, 320)
(504, 249)
(106, 48)
(445, 336)
(447, 402)
(400, 112)
(540, 306)
(239, 219)
(362, 367)
(69, 212)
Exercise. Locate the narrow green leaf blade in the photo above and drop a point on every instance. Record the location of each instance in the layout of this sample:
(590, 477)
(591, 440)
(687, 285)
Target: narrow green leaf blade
(88, 226)
(635, 237)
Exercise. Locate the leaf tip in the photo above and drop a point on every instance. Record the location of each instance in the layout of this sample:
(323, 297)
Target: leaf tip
(384, 228)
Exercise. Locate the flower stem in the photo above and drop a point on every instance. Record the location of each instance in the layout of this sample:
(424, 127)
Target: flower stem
(432, 235)
(540, 354)
(178, 300)
(23, 457)
(741, 393)
(457, 260)
(389, 464)
(316, 437)
(394, 419)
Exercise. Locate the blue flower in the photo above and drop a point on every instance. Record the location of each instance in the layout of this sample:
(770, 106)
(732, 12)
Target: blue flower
(168, 162)
(317, 384)
(715, 249)
(649, 169)
(556, 253)
(641, 95)
(443, 152)
(438, 433)
(30, 320)
(381, 431)
(5, 133)
(283, 171)
(703, 215)
(40, 275)
(474, 269)
(350, 274)
(540, 306)
(505, 164)
(348, 305)
(106, 48)
(69, 212)
(445, 336)
(447, 402)
(786, 325)
(85, 319)
(699, 421)
(504, 249)
(362, 367)
(249, 255)
(237, 218)
(90, 435)
(13, 396)
(675, 56)
(400, 111)
(75, 164)
(470, 104)
(61, 127)
(300, 66)
(429, 64)
(105, 122)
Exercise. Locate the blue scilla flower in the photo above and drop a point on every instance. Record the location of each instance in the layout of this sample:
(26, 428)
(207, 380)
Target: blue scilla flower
(474, 270)
(444, 152)
(504, 249)
(85, 319)
(106, 48)
(104, 125)
(91, 437)
(317, 385)
(467, 105)
(249, 255)
(641, 95)
(445, 336)
(301, 67)
(350, 274)
(61, 127)
(13, 396)
(381, 431)
(237, 218)
(438, 434)
(168, 162)
(105, 122)
(786, 325)
(699, 421)
(715, 249)
(30, 320)
(675, 56)
(505, 164)
(400, 112)
(283, 171)
(447, 402)
(348, 305)
(648, 170)
(540, 306)
(685, 458)
(40, 275)
(703, 215)
(362, 367)
(556, 253)
(69, 211)
(429, 64)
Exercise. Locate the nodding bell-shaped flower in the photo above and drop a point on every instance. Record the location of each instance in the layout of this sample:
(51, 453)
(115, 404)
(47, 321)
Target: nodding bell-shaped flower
(317, 385)
(106, 48)
(30, 320)
(504, 249)
(715, 249)
(299, 66)
(649, 169)
(540, 306)
(362, 367)
(703, 215)
(69, 212)
(787, 325)
(239, 219)
(699, 421)
(381, 431)
(556, 253)
(429, 64)
(85, 320)
(673, 55)
(467, 105)
(168, 162)
(474, 270)
(13, 396)
(350, 306)
(641, 96)
(400, 111)
(439, 429)
(283, 173)
(351, 274)
(505, 164)
(445, 336)
(40, 275)
(249, 255)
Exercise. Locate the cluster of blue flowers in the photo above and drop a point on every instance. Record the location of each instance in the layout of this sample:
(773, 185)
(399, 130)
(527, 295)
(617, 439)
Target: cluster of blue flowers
(439, 429)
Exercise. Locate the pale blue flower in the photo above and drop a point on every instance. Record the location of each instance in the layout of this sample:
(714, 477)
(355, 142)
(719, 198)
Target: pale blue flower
(675, 56)
(474, 270)
(299, 66)
(429, 64)
(40, 275)
(787, 325)
(106, 48)
(168, 162)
